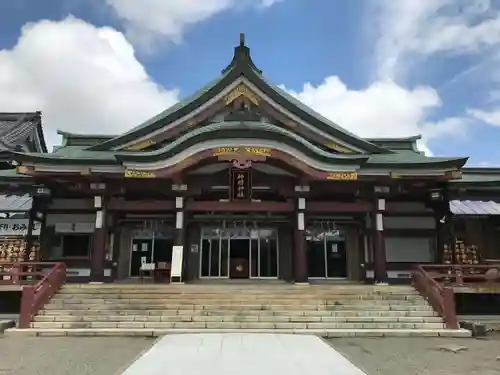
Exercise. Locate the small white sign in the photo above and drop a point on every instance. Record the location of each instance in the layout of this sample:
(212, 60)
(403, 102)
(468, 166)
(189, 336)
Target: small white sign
(147, 266)
(176, 270)
(18, 227)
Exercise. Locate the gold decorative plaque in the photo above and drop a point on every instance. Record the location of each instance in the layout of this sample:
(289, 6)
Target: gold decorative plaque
(140, 146)
(259, 151)
(342, 176)
(133, 173)
(241, 90)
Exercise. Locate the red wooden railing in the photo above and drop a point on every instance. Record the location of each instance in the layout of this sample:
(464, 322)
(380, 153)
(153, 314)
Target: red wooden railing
(459, 275)
(38, 286)
(441, 298)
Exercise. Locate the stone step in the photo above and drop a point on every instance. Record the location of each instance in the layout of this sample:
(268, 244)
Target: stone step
(167, 306)
(241, 298)
(228, 302)
(236, 318)
(238, 293)
(238, 325)
(338, 313)
(145, 332)
(241, 295)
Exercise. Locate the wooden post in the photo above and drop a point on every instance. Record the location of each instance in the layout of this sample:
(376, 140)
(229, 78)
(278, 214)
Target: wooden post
(99, 243)
(379, 255)
(116, 246)
(179, 260)
(300, 254)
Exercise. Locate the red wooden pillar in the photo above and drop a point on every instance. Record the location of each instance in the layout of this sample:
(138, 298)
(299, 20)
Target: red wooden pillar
(300, 253)
(99, 242)
(379, 254)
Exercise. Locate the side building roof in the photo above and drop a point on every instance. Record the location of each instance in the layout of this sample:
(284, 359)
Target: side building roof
(22, 131)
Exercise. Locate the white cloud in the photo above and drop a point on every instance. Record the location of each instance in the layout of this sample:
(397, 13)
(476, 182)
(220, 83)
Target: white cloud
(383, 109)
(490, 117)
(148, 20)
(412, 29)
(85, 79)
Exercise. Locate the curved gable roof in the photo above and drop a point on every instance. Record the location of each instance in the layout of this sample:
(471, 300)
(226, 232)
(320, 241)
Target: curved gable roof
(241, 65)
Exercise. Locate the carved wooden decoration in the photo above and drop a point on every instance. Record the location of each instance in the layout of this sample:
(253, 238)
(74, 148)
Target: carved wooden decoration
(242, 90)
(240, 164)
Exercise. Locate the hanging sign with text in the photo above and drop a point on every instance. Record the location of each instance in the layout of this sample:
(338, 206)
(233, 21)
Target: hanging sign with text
(18, 227)
(241, 185)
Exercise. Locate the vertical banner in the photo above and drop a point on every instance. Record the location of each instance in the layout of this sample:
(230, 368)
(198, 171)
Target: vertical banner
(241, 184)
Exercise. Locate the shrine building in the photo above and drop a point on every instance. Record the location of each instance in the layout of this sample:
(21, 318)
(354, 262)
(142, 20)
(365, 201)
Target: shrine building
(242, 181)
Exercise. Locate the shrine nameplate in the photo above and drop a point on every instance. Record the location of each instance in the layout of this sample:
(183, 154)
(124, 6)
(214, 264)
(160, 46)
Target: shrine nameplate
(240, 184)
(342, 176)
(132, 173)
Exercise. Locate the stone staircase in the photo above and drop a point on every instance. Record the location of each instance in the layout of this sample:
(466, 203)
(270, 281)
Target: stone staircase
(154, 310)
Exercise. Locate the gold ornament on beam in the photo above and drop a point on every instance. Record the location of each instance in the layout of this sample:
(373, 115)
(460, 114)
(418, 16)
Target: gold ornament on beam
(342, 176)
(140, 146)
(133, 173)
(339, 148)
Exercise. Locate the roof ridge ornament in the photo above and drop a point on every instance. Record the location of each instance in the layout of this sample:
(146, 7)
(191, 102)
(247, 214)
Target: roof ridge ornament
(242, 57)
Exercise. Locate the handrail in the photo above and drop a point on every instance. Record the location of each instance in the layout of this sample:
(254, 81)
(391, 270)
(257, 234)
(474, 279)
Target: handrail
(460, 274)
(35, 296)
(442, 299)
(18, 271)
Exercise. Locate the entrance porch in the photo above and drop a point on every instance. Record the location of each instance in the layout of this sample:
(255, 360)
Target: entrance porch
(236, 248)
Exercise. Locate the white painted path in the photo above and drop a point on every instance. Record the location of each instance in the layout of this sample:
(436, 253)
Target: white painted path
(242, 354)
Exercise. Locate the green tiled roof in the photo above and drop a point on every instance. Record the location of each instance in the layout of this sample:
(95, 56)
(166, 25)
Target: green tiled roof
(241, 65)
(11, 174)
(478, 178)
(410, 157)
(169, 111)
(69, 154)
(312, 112)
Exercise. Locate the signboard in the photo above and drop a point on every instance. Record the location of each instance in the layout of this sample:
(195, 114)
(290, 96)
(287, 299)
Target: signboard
(176, 270)
(18, 227)
(241, 187)
(342, 176)
(132, 173)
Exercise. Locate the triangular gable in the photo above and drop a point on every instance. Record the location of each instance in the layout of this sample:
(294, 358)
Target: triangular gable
(240, 79)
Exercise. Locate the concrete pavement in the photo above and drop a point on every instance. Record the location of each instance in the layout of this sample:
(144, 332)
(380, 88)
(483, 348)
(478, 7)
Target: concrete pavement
(242, 353)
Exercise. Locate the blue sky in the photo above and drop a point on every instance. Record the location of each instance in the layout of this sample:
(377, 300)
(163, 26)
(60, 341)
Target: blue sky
(378, 68)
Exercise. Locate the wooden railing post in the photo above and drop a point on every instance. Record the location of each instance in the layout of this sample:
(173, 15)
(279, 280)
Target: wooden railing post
(450, 313)
(27, 301)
